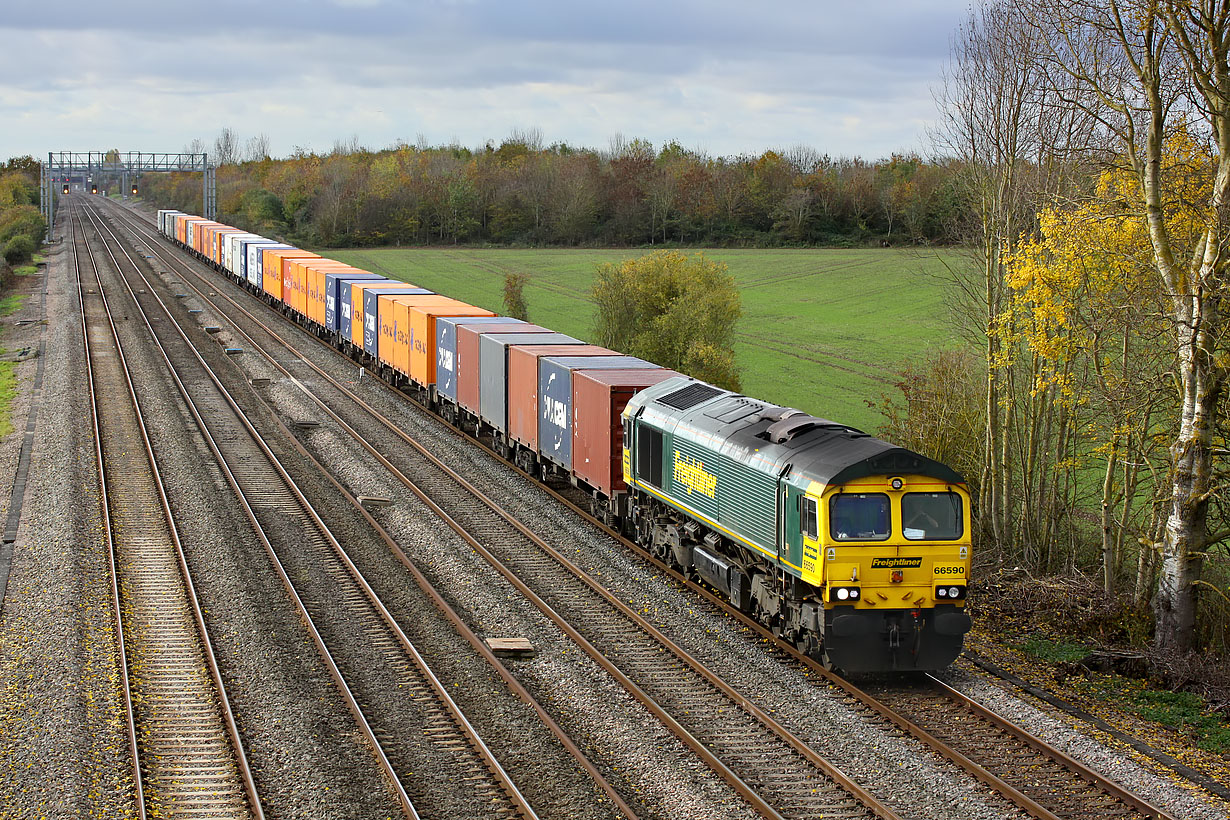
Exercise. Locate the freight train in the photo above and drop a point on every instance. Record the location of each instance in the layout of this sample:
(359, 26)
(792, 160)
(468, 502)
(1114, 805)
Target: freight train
(855, 550)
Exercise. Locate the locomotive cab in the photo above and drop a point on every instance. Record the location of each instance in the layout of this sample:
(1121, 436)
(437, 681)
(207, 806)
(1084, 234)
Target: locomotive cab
(892, 568)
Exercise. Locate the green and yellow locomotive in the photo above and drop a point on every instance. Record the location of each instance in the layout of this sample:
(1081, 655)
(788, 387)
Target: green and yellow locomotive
(856, 550)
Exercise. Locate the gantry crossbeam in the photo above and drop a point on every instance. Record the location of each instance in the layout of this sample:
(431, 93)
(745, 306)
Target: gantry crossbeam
(123, 164)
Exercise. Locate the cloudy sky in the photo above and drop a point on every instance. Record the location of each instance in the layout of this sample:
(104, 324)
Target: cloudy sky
(725, 76)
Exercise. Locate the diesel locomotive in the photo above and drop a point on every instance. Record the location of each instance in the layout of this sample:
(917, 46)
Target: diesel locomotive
(855, 550)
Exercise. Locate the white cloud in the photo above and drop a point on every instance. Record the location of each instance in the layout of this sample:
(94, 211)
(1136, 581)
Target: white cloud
(725, 75)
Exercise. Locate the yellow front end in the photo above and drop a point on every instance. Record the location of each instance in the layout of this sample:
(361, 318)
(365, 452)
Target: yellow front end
(906, 546)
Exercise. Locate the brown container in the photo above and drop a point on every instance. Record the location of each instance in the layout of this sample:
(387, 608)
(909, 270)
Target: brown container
(598, 401)
(523, 385)
(468, 358)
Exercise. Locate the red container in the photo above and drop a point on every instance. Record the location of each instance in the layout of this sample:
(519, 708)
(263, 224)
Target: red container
(467, 357)
(523, 385)
(598, 401)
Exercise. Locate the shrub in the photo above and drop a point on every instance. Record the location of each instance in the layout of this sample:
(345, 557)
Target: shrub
(22, 220)
(19, 249)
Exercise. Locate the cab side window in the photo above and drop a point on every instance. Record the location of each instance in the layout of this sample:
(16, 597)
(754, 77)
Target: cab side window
(810, 518)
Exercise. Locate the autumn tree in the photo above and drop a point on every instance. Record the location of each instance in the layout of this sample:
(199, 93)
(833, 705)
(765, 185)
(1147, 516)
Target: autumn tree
(1145, 71)
(672, 309)
(1009, 144)
(1086, 312)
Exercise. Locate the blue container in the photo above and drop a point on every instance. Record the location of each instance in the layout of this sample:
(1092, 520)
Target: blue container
(447, 361)
(333, 286)
(345, 295)
(371, 313)
(555, 399)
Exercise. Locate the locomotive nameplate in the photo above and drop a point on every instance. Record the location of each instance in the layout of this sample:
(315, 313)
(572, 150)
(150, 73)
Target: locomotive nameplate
(896, 563)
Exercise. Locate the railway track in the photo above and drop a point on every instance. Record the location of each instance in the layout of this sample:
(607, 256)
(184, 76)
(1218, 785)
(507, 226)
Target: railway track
(776, 772)
(1057, 784)
(188, 759)
(413, 725)
(1052, 786)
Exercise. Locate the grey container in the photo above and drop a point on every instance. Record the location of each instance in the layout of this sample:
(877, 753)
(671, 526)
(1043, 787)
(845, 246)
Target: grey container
(493, 371)
(555, 399)
(446, 348)
(371, 312)
(333, 307)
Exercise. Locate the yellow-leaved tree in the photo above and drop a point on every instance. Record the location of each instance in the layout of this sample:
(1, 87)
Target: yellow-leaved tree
(1146, 71)
(1086, 310)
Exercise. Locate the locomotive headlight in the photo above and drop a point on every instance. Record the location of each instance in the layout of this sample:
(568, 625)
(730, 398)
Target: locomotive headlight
(940, 592)
(954, 592)
(843, 594)
(853, 594)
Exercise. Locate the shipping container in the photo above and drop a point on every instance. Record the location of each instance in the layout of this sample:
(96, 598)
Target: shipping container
(317, 286)
(371, 313)
(196, 229)
(166, 227)
(274, 269)
(493, 357)
(555, 417)
(523, 397)
(298, 285)
(423, 335)
(221, 236)
(187, 230)
(598, 401)
(398, 327)
(254, 270)
(352, 305)
(207, 243)
(447, 360)
(232, 260)
(470, 362)
(336, 284)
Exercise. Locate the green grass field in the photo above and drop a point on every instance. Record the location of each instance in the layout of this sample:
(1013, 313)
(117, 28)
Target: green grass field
(822, 330)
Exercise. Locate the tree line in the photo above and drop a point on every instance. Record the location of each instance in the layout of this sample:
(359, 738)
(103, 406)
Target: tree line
(521, 192)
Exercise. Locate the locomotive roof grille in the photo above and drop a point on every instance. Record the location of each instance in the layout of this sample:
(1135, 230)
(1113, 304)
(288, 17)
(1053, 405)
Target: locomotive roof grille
(690, 396)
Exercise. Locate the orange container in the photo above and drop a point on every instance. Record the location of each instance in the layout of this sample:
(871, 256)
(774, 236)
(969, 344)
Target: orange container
(423, 337)
(315, 283)
(274, 270)
(357, 289)
(394, 320)
(199, 229)
(296, 283)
